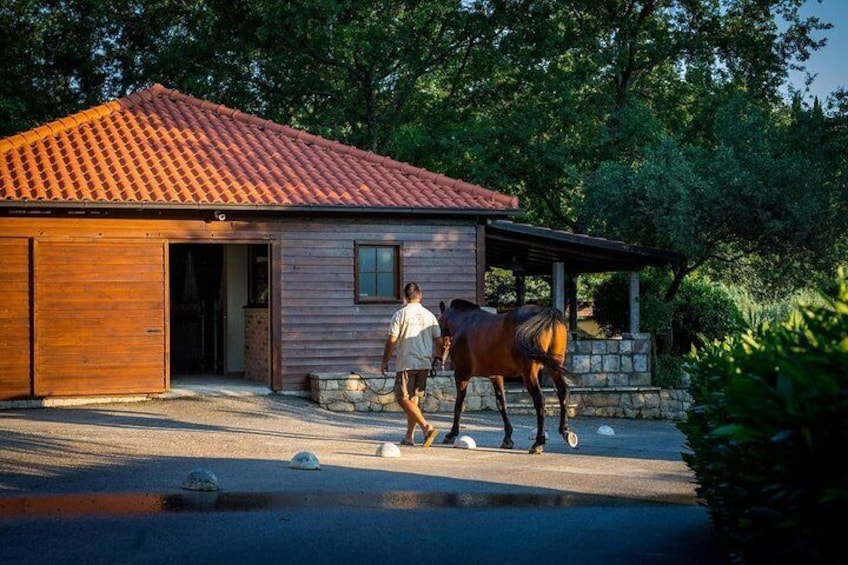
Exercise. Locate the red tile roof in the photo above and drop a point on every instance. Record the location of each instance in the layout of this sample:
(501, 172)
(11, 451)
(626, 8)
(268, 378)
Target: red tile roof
(161, 148)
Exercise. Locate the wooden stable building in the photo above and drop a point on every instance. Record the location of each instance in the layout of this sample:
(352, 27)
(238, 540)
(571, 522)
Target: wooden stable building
(158, 236)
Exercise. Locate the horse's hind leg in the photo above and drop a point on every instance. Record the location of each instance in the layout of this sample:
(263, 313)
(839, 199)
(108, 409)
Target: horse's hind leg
(500, 400)
(461, 390)
(564, 397)
(531, 382)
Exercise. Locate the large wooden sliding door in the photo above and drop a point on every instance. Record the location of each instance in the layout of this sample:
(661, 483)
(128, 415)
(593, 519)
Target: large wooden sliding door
(14, 319)
(100, 317)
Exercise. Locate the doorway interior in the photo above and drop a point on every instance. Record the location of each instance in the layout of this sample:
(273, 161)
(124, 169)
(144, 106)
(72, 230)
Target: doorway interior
(213, 287)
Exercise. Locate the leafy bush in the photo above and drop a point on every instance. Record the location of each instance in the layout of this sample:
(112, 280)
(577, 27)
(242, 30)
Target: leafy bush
(756, 310)
(668, 372)
(701, 311)
(767, 429)
(611, 303)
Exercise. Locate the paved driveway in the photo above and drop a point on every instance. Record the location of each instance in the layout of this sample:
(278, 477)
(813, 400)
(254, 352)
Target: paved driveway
(101, 484)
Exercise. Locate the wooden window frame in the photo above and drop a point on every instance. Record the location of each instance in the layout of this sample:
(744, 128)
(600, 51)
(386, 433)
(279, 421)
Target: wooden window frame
(254, 251)
(397, 249)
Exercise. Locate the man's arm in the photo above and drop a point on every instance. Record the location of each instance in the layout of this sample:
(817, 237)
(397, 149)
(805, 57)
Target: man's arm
(387, 353)
(441, 346)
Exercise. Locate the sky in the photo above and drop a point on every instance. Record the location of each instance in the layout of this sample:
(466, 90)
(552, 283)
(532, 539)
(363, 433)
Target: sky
(831, 62)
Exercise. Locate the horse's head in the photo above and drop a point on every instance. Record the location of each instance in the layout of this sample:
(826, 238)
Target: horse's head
(450, 315)
(444, 326)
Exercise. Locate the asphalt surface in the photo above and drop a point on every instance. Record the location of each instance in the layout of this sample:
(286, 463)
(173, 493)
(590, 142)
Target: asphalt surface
(101, 483)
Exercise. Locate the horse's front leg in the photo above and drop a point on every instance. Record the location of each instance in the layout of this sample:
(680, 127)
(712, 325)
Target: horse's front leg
(500, 400)
(461, 390)
(531, 382)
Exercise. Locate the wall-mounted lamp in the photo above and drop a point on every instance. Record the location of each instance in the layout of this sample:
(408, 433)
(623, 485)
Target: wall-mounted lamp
(220, 216)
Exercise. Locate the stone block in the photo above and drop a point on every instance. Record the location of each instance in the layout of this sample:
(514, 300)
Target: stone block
(599, 346)
(353, 384)
(473, 403)
(446, 405)
(596, 380)
(640, 363)
(612, 363)
(430, 404)
(582, 364)
(642, 346)
(341, 406)
(597, 363)
(619, 379)
(354, 395)
(640, 379)
(332, 396)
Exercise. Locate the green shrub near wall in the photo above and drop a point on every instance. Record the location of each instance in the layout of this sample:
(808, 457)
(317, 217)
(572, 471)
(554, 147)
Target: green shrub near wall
(700, 311)
(768, 430)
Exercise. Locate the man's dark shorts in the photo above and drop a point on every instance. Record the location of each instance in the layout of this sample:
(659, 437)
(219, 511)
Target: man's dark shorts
(409, 384)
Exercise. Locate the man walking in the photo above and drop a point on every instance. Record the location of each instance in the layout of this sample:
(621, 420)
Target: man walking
(414, 331)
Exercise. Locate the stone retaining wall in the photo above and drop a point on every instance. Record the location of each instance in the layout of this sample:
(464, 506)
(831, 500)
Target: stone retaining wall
(354, 392)
(602, 363)
(613, 380)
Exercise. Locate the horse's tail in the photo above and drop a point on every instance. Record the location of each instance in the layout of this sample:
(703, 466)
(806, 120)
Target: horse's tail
(529, 334)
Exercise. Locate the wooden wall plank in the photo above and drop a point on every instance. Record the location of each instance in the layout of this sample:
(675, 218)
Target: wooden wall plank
(323, 329)
(15, 373)
(312, 264)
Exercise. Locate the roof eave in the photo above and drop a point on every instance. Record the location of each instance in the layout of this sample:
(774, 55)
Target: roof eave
(264, 208)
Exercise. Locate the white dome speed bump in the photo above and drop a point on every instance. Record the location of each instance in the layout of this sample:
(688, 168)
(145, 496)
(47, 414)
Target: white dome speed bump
(465, 442)
(606, 431)
(305, 461)
(200, 479)
(388, 450)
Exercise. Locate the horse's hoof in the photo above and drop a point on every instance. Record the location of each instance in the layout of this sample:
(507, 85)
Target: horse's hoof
(507, 445)
(448, 440)
(537, 449)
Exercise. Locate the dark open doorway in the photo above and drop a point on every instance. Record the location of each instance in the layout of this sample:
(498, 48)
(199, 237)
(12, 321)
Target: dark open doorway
(197, 329)
(219, 311)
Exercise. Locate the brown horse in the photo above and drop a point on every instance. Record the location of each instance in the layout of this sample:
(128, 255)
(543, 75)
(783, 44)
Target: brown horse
(518, 342)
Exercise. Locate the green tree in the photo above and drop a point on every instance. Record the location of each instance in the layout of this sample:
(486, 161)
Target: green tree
(671, 103)
(760, 198)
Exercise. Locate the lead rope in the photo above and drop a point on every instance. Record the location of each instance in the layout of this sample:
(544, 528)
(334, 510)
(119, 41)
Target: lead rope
(372, 389)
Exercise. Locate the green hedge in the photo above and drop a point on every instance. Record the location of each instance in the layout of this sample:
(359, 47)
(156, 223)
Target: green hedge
(768, 430)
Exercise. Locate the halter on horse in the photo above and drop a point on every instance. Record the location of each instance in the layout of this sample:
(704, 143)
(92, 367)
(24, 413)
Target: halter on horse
(518, 342)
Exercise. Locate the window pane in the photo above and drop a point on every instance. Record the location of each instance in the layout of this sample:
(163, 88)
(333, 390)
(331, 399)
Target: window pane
(377, 272)
(367, 259)
(367, 284)
(386, 285)
(385, 259)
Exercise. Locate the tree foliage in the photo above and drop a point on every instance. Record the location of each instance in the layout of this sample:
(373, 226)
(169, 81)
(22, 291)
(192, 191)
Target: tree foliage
(657, 122)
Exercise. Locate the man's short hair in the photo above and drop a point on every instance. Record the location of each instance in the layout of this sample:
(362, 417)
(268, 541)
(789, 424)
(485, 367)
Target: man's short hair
(412, 291)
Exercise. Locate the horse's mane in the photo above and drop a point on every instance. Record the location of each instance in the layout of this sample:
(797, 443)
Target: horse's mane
(463, 305)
